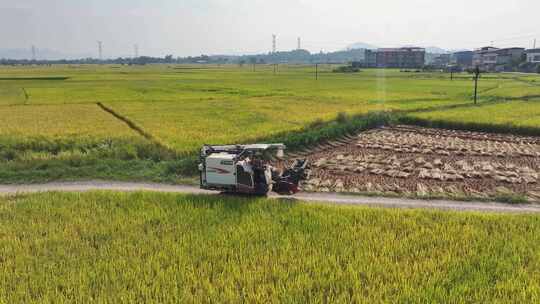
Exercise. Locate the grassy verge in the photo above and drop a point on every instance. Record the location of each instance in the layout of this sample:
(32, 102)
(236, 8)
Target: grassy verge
(150, 247)
(513, 198)
(319, 131)
(41, 159)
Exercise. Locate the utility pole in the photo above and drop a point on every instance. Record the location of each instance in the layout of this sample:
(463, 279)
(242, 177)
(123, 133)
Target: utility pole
(275, 68)
(299, 44)
(274, 37)
(100, 50)
(136, 50)
(534, 44)
(316, 71)
(33, 53)
(476, 76)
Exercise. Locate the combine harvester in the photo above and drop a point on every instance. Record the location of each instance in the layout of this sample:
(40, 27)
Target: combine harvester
(247, 169)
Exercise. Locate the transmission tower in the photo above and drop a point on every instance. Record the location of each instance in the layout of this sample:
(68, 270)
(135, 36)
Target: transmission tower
(33, 53)
(100, 49)
(274, 43)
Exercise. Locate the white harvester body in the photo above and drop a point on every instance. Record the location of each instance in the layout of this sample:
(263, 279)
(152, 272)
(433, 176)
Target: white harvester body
(247, 169)
(221, 169)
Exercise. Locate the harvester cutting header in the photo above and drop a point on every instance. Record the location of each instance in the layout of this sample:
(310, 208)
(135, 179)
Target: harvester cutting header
(247, 169)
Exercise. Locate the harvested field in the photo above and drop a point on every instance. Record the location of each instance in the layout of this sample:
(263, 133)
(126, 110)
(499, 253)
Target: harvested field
(423, 162)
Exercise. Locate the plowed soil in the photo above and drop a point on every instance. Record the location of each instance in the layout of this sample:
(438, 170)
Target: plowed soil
(416, 161)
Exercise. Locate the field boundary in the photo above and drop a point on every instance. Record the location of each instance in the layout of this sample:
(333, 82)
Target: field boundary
(330, 132)
(473, 126)
(132, 125)
(26, 96)
(35, 78)
(518, 79)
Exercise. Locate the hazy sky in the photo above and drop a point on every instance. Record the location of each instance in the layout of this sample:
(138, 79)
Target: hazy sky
(192, 27)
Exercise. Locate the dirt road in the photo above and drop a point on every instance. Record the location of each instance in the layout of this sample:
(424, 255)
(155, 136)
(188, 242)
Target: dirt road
(328, 198)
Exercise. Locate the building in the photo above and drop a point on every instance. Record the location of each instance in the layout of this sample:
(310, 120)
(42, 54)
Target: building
(462, 59)
(484, 56)
(406, 57)
(442, 60)
(494, 59)
(508, 55)
(370, 59)
(533, 55)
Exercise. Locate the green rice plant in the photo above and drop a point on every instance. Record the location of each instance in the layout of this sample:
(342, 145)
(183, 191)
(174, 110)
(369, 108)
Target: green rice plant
(167, 248)
(518, 117)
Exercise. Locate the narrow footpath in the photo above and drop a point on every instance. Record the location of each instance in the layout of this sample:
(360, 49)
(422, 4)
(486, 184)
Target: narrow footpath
(325, 198)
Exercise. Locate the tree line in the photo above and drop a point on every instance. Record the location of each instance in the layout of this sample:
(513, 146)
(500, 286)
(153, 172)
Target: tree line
(295, 56)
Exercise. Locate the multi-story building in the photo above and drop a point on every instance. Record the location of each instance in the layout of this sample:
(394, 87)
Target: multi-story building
(509, 55)
(406, 57)
(462, 59)
(441, 60)
(533, 55)
(370, 59)
(491, 58)
(484, 56)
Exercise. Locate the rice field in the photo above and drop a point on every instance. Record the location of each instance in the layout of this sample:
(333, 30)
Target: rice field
(518, 114)
(149, 94)
(148, 247)
(178, 83)
(75, 141)
(61, 121)
(181, 107)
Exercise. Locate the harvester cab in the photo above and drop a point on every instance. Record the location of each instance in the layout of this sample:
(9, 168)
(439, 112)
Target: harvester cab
(247, 169)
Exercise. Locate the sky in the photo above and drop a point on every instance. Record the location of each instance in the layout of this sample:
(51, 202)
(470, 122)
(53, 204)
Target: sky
(194, 27)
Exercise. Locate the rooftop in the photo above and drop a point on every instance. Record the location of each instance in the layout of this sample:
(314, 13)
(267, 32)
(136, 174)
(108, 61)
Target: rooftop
(403, 49)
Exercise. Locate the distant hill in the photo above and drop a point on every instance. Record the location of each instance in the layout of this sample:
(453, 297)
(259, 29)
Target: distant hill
(436, 50)
(21, 54)
(459, 50)
(362, 45)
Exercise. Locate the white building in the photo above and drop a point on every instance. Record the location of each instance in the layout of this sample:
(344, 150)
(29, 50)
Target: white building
(494, 59)
(533, 55)
(485, 55)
